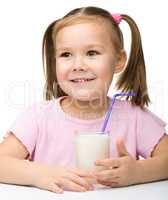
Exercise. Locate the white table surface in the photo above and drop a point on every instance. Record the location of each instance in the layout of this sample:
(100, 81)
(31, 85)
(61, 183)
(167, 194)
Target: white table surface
(148, 191)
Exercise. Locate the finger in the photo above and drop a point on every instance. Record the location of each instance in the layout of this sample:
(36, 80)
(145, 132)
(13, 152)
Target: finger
(122, 150)
(79, 180)
(70, 185)
(108, 179)
(107, 175)
(82, 173)
(109, 184)
(55, 188)
(112, 163)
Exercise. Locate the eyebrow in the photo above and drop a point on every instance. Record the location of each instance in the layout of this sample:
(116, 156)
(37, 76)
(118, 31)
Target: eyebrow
(87, 46)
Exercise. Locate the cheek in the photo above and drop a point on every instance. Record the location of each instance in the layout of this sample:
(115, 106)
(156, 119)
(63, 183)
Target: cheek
(105, 71)
(105, 64)
(61, 73)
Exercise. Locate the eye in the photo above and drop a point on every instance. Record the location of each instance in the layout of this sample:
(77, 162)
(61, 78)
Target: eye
(92, 53)
(65, 54)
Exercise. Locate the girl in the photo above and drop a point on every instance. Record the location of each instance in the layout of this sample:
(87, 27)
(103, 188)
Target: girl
(81, 53)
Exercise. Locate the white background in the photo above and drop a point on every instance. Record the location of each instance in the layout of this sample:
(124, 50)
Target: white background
(22, 25)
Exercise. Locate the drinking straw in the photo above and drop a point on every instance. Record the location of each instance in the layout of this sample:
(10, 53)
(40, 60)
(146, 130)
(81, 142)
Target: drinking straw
(111, 108)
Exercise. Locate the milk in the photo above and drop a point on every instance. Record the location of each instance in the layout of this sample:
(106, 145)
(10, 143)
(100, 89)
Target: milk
(90, 147)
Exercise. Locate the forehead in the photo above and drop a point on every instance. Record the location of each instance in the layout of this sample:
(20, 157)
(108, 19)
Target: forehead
(84, 33)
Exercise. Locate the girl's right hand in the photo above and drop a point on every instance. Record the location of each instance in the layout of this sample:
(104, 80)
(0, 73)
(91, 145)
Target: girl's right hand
(58, 179)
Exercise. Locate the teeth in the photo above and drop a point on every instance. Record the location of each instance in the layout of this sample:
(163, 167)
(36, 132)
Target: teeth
(81, 80)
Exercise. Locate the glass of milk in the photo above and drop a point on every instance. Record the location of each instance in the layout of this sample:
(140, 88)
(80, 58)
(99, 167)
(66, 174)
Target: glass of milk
(89, 147)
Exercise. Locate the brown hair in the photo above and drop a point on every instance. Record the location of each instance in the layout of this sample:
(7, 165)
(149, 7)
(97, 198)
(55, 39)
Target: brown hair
(132, 79)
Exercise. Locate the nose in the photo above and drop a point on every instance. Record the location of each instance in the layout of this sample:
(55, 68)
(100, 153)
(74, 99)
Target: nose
(78, 64)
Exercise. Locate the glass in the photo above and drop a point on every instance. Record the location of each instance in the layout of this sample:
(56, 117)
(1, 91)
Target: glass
(89, 147)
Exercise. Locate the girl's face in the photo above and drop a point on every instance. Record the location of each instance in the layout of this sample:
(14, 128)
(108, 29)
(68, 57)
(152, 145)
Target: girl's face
(85, 60)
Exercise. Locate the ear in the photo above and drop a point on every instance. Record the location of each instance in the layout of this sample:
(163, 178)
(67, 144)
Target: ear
(120, 61)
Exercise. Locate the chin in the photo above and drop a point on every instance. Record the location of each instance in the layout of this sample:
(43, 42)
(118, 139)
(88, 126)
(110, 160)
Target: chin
(79, 98)
(85, 96)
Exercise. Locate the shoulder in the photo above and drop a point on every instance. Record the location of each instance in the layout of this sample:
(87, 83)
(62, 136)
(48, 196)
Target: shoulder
(43, 107)
(126, 107)
(135, 112)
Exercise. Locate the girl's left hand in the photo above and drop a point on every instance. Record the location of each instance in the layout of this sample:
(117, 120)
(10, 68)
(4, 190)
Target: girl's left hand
(122, 171)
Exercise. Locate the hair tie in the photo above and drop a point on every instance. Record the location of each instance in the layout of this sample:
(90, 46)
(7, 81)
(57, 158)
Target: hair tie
(117, 18)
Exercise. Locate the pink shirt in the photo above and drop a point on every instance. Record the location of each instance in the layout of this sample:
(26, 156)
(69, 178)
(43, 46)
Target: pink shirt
(48, 133)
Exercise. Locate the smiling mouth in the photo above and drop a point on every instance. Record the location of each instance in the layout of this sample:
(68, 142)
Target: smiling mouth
(82, 80)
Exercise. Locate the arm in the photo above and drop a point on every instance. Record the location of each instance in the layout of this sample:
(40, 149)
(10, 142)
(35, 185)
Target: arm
(126, 170)
(14, 169)
(156, 167)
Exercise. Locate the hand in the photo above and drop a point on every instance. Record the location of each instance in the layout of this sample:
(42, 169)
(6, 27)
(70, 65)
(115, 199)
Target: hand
(120, 171)
(58, 179)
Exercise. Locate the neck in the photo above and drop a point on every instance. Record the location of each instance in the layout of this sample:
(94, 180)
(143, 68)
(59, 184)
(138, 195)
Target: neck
(86, 109)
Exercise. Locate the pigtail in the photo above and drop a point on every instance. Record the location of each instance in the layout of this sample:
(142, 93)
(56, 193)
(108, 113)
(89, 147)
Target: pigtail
(134, 76)
(51, 88)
